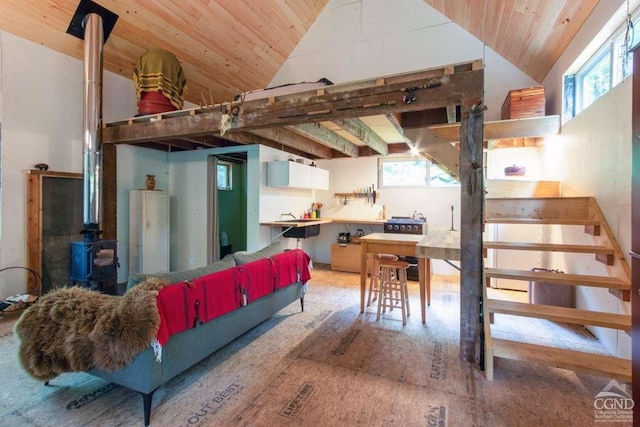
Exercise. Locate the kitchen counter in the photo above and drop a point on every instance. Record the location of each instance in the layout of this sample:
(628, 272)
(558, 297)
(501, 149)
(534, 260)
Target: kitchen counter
(397, 244)
(440, 243)
(297, 223)
(358, 221)
(306, 222)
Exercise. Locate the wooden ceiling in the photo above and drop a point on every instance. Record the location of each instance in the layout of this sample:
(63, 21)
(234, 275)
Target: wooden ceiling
(225, 46)
(531, 34)
(228, 47)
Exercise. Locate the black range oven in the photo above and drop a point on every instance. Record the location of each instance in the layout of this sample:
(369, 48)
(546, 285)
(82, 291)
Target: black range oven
(407, 225)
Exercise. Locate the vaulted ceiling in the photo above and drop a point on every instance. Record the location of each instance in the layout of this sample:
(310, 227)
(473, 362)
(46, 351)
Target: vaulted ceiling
(231, 46)
(227, 47)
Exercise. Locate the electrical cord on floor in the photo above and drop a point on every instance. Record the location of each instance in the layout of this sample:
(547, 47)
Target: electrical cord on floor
(19, 302)
(35, 273)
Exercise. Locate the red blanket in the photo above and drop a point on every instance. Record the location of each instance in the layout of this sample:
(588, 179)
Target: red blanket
(290, 267)
(256, 279)
(184, 305)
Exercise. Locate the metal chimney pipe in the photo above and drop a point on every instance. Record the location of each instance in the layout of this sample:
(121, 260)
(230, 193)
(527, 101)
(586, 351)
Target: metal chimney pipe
(92, 121)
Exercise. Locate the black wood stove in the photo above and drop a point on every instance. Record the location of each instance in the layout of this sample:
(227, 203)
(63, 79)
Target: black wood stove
(94, 264)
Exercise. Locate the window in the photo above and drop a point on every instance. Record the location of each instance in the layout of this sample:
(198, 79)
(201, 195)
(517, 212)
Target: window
(609, 66)
(224, 176)
(407, 172)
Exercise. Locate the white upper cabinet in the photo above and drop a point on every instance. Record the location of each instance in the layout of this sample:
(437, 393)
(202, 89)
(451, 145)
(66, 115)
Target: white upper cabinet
(296, 175)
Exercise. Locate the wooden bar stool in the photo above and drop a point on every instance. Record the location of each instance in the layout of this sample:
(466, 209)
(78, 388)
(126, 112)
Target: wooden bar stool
(373, 265)
(393, 288)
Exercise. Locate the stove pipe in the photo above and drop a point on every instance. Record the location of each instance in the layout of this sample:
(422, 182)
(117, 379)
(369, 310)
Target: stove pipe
(92, 120)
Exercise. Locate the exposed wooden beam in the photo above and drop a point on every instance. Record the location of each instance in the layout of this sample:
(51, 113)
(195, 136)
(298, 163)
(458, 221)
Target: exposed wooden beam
(322, 135)
(533, 127)
(202, 140)
(471, 224)
(433, 117)
(109, 196)
(407, 95)
(395, 148)
(286, 137)
(437, 149)
(451, 109)
(360, 130)
(412, 95)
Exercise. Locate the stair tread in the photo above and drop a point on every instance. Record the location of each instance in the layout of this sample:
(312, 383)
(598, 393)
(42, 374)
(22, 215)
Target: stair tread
(559, 278)
(558, 221)
(561, 314)
(553, 247)
(563, 358)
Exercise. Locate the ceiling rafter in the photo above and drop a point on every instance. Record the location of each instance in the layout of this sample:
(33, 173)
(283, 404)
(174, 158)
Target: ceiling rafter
(325, 136)
(361, 131)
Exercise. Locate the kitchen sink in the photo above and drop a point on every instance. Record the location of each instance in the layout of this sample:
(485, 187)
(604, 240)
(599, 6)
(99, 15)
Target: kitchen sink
(301, 232)
(298, 220)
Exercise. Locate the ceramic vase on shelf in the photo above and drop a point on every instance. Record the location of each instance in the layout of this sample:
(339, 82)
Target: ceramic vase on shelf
(151, 182)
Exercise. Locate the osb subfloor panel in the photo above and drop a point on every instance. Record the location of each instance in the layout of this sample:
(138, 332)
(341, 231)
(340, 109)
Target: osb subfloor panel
(329, 366)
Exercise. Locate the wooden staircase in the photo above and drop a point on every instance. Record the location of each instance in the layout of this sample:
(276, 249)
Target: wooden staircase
(580, 211)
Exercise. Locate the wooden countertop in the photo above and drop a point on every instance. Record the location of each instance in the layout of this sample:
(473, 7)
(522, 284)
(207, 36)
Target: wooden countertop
(440, 243)
(297, 223)
(358, 221)
(300, 223)
(392, 238)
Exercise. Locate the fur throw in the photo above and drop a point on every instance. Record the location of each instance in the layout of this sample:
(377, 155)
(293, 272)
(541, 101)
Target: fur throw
(76, 329)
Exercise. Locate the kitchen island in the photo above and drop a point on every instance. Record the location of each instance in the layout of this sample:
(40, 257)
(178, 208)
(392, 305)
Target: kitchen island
(396, 244)
(438, 243)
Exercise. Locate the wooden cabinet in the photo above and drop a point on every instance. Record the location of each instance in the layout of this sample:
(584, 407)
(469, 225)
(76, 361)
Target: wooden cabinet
(148, 231)
(296, 175)
(524, 103)
(345, 258)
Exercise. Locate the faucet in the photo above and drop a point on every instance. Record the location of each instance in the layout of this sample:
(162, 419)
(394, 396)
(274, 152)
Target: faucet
(288, 214)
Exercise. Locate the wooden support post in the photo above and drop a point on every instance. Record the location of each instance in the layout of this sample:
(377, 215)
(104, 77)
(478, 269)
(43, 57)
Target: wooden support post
(109, 193)
(471, 203)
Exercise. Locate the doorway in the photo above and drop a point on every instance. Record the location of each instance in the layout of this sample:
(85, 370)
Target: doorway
(227, 177)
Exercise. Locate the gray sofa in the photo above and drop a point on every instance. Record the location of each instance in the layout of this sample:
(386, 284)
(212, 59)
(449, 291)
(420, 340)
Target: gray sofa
(145, 375)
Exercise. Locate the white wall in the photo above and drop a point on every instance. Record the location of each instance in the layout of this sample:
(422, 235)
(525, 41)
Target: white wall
(133, 166)
(355, 40)
(595, 150)
(592, 157)
(346, 174)
(41, 119)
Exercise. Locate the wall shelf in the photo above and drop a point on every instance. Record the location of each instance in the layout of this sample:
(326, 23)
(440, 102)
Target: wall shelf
(346, 197)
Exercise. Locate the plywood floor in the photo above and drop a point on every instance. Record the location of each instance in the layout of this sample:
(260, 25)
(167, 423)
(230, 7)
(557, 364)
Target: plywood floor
(328, 366)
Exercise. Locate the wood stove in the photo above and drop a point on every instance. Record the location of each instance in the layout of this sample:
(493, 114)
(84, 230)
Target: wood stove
(94, 264)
